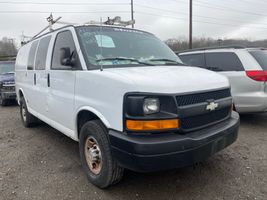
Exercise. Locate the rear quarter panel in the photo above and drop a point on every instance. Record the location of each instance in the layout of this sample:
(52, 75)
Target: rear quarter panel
(248, 94)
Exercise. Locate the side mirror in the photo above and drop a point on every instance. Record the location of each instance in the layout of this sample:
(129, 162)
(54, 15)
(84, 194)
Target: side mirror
(66, 57)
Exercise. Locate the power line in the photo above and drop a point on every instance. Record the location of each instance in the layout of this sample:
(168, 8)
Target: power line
(164, 10)
(249, 2)
(206, 4)
(221, 19)
(57, 3)
(159, 15)
(79, 12)
(201, 16)
(198, 21)
(200, 3)
(225, 9)
(138, 5)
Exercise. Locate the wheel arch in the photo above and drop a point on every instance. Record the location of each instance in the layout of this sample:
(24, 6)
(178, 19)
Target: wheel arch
(20, 95)
(86, 114)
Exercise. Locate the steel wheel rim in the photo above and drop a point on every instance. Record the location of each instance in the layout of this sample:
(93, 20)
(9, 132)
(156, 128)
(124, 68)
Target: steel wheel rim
(23, 112)
(93, 155)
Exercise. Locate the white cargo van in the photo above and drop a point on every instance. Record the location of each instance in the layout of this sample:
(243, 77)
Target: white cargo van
(125, 96)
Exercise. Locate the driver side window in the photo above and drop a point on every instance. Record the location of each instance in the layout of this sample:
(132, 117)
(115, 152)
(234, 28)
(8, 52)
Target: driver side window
(64, 40)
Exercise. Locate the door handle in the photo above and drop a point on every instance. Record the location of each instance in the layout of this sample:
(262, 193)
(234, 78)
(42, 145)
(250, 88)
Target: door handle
(34, 79)
(48, 80)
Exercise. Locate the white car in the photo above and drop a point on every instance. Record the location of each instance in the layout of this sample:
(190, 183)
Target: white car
(246, 69)
(125, 96)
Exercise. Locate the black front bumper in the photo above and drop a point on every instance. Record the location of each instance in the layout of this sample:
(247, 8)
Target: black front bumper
(169, 150)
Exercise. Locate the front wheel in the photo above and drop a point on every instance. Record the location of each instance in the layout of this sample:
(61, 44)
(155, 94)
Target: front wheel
(100, 167)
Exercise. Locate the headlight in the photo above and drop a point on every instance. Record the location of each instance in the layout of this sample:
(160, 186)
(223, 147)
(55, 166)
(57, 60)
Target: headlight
(151, 106)
(145, 112)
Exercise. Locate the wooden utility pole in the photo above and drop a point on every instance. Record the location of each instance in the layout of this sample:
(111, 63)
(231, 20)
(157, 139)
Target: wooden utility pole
(190, 24)
(132, 13)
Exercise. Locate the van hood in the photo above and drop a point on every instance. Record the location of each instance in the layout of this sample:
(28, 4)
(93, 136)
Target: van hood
(169, 79)
(7, 78)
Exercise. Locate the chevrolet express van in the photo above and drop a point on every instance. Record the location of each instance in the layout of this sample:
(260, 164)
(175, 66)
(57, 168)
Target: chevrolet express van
(126, 98)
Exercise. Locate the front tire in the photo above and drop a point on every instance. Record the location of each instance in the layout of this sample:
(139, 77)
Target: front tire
(100, 167)
(27, 118)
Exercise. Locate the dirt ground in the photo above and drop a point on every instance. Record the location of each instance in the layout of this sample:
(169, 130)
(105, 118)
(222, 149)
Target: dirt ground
(41, 163)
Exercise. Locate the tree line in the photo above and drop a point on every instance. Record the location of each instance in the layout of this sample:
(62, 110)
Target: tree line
(182, 44)
(7, 47)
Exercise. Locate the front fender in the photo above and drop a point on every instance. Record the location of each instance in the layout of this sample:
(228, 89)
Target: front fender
(94, 111)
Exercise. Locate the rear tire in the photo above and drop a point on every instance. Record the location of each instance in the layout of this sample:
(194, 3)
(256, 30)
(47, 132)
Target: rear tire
(27, 118)
(94, 145)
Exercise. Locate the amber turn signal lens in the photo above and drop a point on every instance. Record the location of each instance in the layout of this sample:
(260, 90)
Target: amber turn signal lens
(152, 125)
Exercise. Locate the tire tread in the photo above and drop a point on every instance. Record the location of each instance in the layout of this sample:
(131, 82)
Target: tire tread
(115, 172)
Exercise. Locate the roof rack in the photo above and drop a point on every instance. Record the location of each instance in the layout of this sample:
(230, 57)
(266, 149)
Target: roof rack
(210, 48)
(116, 21)
(51, 22)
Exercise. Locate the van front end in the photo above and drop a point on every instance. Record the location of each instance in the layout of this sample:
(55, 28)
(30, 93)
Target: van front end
(7, 93)
(168, 150)
(172, 131)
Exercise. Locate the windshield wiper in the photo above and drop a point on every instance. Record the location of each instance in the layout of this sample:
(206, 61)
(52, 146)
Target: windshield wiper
(124, 58)
(166, 60)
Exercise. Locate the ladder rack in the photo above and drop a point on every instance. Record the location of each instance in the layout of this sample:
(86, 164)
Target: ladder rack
(116, 21)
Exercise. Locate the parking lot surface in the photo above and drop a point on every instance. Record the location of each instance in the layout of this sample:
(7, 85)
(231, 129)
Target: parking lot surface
(42, 163)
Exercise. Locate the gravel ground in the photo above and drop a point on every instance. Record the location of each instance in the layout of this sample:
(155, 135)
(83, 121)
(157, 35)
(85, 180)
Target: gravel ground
(41, 163)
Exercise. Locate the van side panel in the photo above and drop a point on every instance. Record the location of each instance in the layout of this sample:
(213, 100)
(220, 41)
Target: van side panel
(21, 76)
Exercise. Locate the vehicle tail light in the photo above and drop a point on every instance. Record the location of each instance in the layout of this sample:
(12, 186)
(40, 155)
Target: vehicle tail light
(257, 75)
(152, 125)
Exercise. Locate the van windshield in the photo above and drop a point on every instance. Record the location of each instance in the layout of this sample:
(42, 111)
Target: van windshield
(261, 57)
(7, 67)
(122, 47)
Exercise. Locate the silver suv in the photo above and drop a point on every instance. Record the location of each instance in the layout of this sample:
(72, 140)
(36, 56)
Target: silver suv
(246, 69)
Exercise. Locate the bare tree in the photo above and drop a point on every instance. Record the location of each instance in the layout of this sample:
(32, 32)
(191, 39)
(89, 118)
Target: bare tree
(7, 47)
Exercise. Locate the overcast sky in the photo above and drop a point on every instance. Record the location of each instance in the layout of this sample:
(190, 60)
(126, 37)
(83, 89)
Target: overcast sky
(166, 19)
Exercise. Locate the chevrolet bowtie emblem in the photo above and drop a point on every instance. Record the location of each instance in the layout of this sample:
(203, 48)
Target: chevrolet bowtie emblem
(212, 106)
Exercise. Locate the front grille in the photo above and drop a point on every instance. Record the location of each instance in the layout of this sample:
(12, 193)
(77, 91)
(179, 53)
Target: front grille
(8, 88)
(195, 98)
(205, 119)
